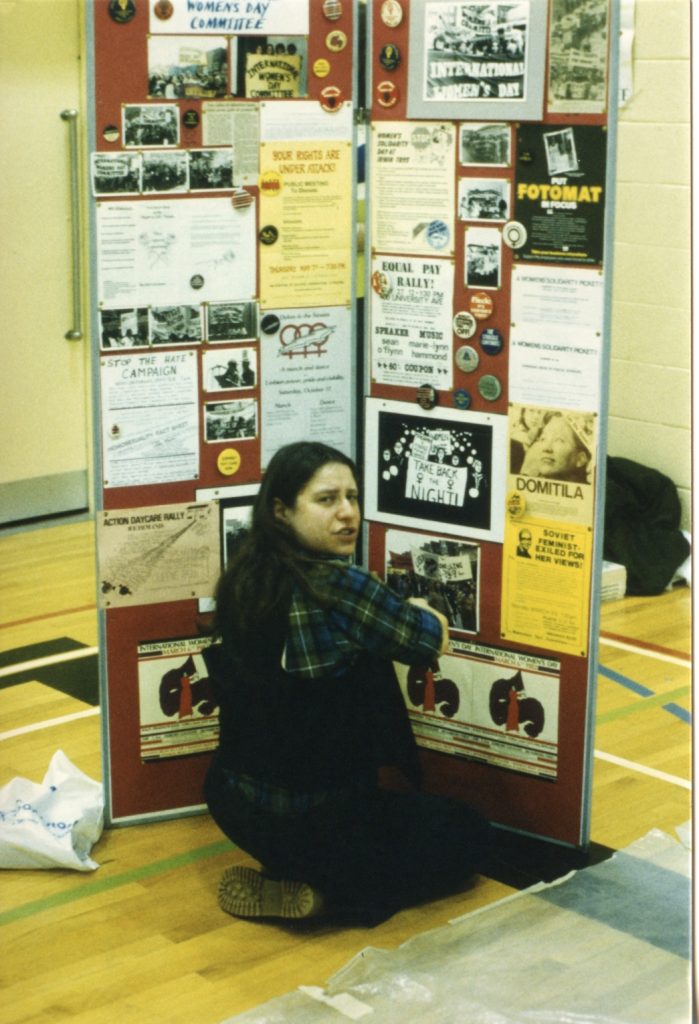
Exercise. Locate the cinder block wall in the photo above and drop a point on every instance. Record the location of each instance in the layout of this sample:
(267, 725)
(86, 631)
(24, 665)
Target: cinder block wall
(650, 387)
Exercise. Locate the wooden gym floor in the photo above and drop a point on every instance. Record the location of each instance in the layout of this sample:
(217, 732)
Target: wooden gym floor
(142, 940)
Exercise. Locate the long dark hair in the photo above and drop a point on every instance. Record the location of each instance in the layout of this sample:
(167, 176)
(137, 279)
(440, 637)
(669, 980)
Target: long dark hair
(267, 562)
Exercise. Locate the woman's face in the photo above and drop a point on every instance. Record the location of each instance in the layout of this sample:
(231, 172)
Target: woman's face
(325, 517)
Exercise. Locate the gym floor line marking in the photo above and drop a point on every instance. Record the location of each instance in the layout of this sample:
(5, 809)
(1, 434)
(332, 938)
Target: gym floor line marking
(649, 650)
(662, 699)
(48, 615)
(98, 886)
(48, 723)
(51, 659)
(675, 780)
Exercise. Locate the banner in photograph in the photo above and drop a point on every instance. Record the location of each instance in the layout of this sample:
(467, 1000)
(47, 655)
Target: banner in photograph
(444, 572)
(560, 192)
(411, 321)
(546, 573)
(578, 48)
(495, 706)
(178, 711)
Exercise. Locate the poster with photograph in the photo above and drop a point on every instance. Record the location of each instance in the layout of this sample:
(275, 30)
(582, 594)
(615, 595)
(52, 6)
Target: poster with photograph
(159, 553)
(478, 60)
(578, 47)
(230, 421)
(147, 125)
(306, 223)
(413, 186)
(166, 171)
(485, 145)
(483, 258)
(411, 321)
(231, 321)
(168, 252)
(486, 704)
(190, 18)
(150, 419)
(230, 369)
(552, 461)
(306, 375)
(175, 325)
(556, 318)
(546, 574)
(560, 192)
(180, 67)
(210, 170)
(446, 573)
(178, 710)
(115, 174)
(485, 199)
(124, 328)
(439, 470)
(235, 511)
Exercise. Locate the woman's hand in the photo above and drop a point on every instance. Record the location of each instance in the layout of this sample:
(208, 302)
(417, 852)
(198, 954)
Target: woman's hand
(442, 619)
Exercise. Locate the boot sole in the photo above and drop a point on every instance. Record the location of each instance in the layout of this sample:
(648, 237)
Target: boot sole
(244, 892)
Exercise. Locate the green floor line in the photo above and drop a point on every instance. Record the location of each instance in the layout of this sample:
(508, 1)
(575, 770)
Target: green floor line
(643, 704)
(105, 884)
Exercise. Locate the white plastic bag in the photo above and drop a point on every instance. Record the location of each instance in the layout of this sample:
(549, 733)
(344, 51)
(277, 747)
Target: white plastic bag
(52, 824)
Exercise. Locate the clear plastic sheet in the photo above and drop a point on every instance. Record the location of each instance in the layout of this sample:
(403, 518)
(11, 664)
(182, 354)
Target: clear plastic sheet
(606, 945)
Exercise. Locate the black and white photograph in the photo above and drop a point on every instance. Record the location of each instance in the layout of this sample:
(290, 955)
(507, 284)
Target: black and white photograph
(269, 67)
(123, 328)
(230, 369)
(230, 421)
(483, 258)
(485, 145)
(437, 470)
(210, 170)
(444, 572)
(484, 199)
(184, 67)
(561, 155)
(165, 171)
(577, 82)
(485, 60)
(175, 325)
(235, 523)
(115, 174)
(153, 124)
(231, 321)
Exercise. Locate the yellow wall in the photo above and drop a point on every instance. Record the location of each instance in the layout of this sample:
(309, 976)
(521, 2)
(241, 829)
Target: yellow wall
(650, 414)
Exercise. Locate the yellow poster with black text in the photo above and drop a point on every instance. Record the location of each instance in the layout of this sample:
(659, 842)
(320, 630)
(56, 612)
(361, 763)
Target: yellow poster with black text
(305, 223)
(546, 572)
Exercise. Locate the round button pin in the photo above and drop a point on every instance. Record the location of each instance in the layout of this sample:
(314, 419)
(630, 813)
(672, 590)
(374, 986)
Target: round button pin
(321, 68)
(464, 324)
(389, 57)
(491, 341)
(391, 13)
(462, 398)
(196, 281)
(467, 359)
(387, 94)
(514, 234)
(270, 323)
(190, 119)
(516, 504)
(336, 41)
(426, 396)
(332, 9)
(269, 234)
(481, 305)
(331, 98)
(489, 387)
(163, 10)
(121, 11)
(228, 461)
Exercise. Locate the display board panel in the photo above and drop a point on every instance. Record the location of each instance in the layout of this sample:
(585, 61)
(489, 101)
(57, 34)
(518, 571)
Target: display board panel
(490, 189)
(221, 168)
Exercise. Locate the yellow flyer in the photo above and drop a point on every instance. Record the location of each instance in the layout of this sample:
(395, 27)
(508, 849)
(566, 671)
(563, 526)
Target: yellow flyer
(546, 572)
(305, 223)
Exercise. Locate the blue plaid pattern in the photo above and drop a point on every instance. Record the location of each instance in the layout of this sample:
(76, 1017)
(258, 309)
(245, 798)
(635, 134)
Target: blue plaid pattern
(366, 616)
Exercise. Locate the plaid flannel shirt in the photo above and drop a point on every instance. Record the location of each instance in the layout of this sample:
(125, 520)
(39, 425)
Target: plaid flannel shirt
(366, 616)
